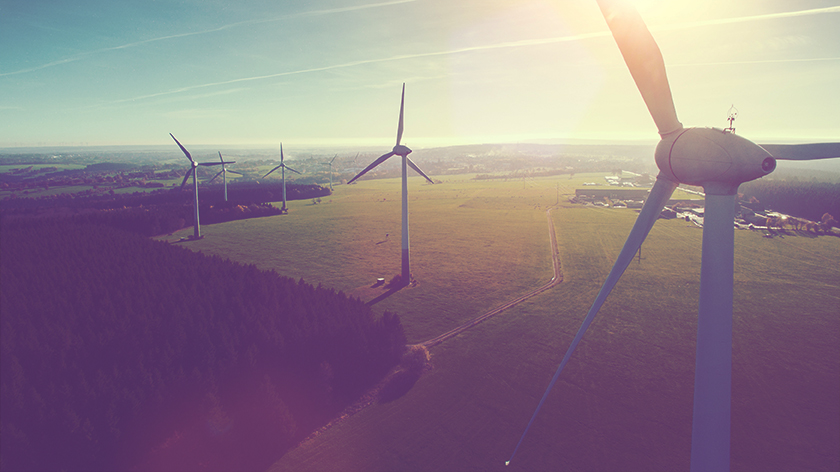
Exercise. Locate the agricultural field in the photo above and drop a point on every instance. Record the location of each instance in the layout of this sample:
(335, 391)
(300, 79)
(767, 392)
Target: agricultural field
(624, 402)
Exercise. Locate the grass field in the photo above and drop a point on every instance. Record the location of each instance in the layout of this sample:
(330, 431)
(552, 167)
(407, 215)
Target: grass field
(624, 401)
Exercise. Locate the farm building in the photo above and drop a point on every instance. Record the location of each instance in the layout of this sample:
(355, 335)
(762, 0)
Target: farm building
(613, 193)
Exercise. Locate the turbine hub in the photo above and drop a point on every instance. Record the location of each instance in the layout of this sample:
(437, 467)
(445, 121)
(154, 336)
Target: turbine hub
(712, 158)
(401, 150)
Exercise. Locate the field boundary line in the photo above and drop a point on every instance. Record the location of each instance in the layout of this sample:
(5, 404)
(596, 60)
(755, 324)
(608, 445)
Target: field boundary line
(555, 280)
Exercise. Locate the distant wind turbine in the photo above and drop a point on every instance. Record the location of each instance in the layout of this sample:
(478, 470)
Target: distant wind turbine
(402, 151)
(283, 168)
(223, 173)
(331, 164)
(194, 165)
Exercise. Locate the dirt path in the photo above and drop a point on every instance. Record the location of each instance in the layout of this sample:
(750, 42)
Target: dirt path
(556, 279)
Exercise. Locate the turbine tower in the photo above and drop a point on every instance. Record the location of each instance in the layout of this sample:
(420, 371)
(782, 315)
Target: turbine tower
(223, 173)
(402, 151)
(194, 165)
(283, 168)
(331, 165)
(719, 161)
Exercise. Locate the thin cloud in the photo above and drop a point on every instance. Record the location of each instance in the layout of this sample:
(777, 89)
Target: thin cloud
(511, 44)
(401, 57)
(330, 11)
(744, 19)
(768, 61)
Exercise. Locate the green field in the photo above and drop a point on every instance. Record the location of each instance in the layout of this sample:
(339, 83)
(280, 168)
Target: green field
(624, 401)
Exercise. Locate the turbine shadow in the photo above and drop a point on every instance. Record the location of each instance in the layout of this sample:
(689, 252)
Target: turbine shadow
(391, 291)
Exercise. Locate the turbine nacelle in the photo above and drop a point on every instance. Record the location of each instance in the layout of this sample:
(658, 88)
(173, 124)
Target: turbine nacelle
(401, 150)
(712, 158)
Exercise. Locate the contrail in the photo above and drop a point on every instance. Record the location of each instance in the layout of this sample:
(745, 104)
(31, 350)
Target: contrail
(515, 44)
(401, 57)
(77, 57)
(743, 19)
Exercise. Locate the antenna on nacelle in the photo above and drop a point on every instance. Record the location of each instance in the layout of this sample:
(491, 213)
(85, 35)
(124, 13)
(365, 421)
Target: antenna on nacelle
(733, 113)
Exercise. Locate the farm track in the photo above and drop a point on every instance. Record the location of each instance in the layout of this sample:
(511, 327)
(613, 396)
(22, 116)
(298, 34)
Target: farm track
(373, 394)
(556, 279)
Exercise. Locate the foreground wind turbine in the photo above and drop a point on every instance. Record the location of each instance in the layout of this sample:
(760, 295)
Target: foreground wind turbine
(402, 151)
(196, 230)
(283, 168)
(331, 164)
(719, 161)
(223, 173)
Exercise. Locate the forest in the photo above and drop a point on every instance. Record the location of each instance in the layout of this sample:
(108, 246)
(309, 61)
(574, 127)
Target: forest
(119, 352)
(808, 200)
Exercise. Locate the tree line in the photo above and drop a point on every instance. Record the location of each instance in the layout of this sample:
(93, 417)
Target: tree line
(119, 352)
(809, 200)
(163, 211)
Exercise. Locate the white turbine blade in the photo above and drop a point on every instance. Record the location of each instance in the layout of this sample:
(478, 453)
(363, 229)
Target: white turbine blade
(400, 127)
(233, 171)
(186, 176)
(182, 148)
(417, 169)
(214, 177)
(375, 163)
(659, 195)
(803, 152)
(281, 153)
(643, 58)
(220, 158)
(289, 168)
(333, 159)
(212, 163)
(272, 170)
(710, 430)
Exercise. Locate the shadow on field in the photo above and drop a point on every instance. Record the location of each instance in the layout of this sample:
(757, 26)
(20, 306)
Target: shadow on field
(384, 295)
(415, 361)
(398, 385)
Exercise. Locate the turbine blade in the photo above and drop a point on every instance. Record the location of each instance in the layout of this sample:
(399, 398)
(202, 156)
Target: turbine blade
(272, 170)
(333, 159)
(803, 152)
(375, 163)
(212, 163)
(289, 168)
(182, 148)
(659, 195)
(220, 158)
(214, 177)
(186, 176)
(281, 153)
(417, 169)
(233, 171)
(400, 127)
(643, 58)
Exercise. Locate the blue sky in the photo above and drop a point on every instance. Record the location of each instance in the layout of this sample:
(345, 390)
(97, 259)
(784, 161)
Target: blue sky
(328, 72)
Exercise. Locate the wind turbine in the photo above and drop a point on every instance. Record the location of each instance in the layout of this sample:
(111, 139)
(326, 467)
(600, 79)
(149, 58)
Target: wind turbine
(331, 164)
(196, 230)
(402, 151)
(283, 171)
(719, 161)
(224, 172)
